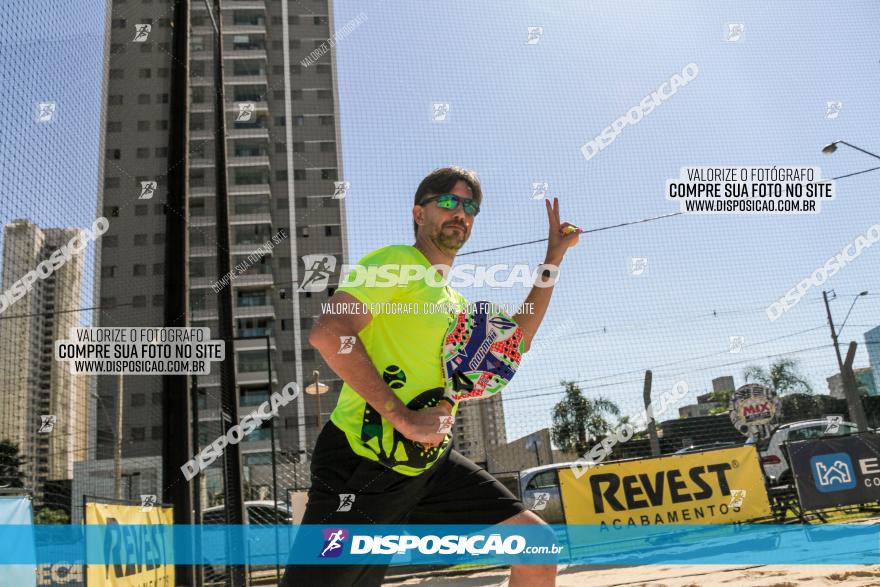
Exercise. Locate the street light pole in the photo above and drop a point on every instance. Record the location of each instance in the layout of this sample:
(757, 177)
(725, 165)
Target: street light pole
(849, 389)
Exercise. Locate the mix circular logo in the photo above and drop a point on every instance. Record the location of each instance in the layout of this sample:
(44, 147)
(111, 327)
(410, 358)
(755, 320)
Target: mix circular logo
(394, 376)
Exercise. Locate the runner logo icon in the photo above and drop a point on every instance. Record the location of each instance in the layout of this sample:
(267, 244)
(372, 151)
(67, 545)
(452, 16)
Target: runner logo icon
(333, 541)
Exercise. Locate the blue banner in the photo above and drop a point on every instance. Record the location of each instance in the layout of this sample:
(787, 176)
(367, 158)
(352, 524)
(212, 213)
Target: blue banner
(508, 544)
(17, 510)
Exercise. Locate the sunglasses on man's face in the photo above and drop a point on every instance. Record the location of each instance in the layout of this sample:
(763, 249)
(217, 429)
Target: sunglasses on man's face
(451, 201)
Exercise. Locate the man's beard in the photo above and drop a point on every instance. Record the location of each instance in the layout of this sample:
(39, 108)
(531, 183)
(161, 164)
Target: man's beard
(449, 239)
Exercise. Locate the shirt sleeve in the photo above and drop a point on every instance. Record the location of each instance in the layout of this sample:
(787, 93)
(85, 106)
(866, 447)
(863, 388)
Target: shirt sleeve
(376, 277)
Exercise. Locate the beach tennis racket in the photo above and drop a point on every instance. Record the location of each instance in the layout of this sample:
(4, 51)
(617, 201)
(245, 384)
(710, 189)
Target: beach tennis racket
(481, 352)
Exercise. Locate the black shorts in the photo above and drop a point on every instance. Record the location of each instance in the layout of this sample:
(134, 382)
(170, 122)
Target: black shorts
(454, 491)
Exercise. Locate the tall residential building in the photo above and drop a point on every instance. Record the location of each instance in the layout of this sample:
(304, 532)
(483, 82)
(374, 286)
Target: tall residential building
(723, 383)
(872, 341)
(864, 383)
(282, 168)
(479, 427)
(42, 405)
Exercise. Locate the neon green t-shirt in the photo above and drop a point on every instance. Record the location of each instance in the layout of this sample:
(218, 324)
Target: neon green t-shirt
(404, 340)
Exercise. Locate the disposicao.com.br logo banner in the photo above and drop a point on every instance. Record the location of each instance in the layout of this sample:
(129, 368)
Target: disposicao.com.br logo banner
(165, 544)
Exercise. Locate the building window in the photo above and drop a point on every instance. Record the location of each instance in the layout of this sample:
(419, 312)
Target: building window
(145, 73)
(142, 153)
(114, 100)
(326, 120)
(140, 210)
(158, 300)
(299, 174)
(108, 303)
(323, 68)
(139, 302)
(329, 174)
(108, 271)
(161, 98)
(156, 433)
(140, 239)
(114, 127)
(158, 268)
(161, 125)
(161, 152)
(110, 240)
(299, 120)
(137, 434)
(324, 94)
(138, 399)
(143, 125)
(296, 95)
(159, 238)
(111, 182)
(299, 147)
(117, 73)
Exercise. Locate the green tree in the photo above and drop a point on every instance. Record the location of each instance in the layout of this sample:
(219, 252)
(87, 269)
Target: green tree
(48, 515)
(783, 377)
(577, 419)
(10, 465)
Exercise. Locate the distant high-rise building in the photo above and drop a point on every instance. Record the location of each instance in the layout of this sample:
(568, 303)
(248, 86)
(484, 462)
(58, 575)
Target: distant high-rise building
(282, 171)
(723, 383)
(43, 407)
(864, 383)
(479, 427)
(872, 341)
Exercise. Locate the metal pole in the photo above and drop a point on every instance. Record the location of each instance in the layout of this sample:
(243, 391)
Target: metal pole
(318, 397)
(117, 454)
(198, 570)
(652, 424)
(849, 390)
(858, 414)
(234, 502)
(176, 416)
(274, 470)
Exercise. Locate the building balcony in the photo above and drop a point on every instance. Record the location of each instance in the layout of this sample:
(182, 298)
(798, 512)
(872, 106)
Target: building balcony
(249, 190)
(202, 251)
(205, 107)
(255, 377)
(252, 279)
(246, 80)
(248, 161)
(245, 54)
(201, 221)
(244, 133)
(201, 162)
(209, 314)
(243, 29)
(255, 344)
(202, 192)
(253, 311)
(257, 218)
(235, 5)
(258, 104)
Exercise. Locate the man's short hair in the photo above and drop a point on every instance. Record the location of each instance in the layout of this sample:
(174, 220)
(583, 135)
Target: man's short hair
(440, 181)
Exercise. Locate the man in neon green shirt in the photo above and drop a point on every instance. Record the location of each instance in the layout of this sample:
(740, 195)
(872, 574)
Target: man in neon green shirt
(387, 446)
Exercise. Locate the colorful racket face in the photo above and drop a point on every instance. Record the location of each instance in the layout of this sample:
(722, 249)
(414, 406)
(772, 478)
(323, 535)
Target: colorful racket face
(481, 352)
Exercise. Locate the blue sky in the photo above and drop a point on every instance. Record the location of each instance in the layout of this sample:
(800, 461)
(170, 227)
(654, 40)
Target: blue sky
(519, 114)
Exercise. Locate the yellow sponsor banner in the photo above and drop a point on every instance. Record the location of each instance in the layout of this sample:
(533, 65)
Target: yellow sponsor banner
(711, 487)
(121, 546)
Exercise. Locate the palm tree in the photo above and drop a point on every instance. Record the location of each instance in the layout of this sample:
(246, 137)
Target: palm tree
(578, 419)
(10, 465)
(783, 377)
